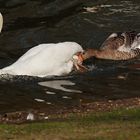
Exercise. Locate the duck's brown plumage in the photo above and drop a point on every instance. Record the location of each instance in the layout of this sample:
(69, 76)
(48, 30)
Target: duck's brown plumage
(117, 40)
(118, 46)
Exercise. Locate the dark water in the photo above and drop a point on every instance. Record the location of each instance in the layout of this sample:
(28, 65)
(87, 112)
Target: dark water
(31, 22)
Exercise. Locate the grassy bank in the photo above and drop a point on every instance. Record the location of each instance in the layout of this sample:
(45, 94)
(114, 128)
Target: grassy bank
(123, 124)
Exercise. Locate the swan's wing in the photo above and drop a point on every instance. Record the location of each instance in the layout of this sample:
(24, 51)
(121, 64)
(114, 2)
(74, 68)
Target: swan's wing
(59, 51)
(34, 52)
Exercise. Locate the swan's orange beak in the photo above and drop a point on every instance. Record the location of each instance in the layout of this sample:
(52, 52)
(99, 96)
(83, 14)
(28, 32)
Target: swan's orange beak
(78, 60)
(80, 57)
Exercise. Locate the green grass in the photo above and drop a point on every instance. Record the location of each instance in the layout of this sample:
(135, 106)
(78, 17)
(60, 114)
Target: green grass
(116, 125)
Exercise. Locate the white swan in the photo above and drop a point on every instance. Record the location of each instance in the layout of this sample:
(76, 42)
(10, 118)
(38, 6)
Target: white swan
(47, 59)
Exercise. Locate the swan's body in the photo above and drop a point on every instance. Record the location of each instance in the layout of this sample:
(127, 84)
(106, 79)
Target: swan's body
(118, 46)
(45, 59)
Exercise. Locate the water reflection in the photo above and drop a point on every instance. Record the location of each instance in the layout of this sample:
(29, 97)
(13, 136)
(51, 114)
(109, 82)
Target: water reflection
(59, 85)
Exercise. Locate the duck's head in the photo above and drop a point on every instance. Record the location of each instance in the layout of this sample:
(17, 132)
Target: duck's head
(88, 53)
(1, 22)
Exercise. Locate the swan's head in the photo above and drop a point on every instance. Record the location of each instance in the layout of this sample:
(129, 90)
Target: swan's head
(1, 22)
(78, 60)
(78, 57)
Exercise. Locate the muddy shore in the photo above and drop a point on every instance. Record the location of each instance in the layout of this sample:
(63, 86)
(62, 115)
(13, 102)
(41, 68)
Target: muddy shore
(56, 113)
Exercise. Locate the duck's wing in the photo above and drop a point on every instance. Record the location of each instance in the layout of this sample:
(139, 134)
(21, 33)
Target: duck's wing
(113, 42)
(121, 46)
(129, 38)
(131, 42)
(119, 41)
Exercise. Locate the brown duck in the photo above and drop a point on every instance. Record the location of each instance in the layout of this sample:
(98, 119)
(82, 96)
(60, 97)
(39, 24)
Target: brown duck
(118, 46)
